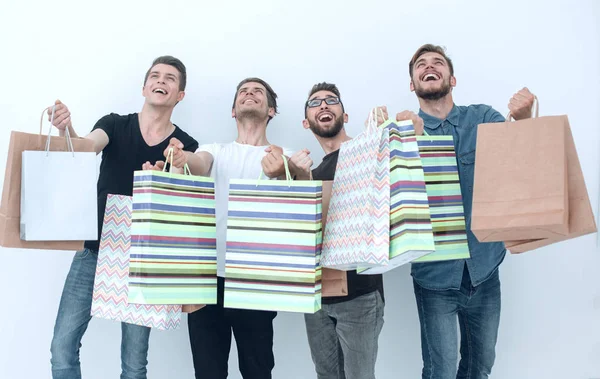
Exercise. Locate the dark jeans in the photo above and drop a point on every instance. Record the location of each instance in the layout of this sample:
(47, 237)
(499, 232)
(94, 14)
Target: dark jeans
(210, 336)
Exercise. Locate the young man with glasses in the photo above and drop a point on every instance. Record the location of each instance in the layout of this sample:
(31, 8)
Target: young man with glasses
(342, 335)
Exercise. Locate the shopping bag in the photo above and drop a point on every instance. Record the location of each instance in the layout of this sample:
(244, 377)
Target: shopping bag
(58, 194)
(273, 247)
(358, 222)
(334, 282)
(581, 216)
(411, 233)
(173, 239)
(520, 189)
(442, 182)
(110, 285)
(10, 207)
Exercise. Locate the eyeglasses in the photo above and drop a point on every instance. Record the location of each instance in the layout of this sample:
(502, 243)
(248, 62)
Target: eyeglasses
(316, 102)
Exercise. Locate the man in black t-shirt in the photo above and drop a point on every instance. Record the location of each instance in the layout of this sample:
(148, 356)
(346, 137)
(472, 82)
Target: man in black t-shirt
(127, 143)
(343, 335)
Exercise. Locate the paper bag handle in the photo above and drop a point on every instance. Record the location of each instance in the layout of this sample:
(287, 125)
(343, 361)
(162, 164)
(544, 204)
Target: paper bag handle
(186, 168)
(67, 134)
(535, 106)
(288, 176)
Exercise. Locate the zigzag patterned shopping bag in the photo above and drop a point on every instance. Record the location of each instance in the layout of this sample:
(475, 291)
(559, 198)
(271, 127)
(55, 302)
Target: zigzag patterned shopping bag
(411, 234)
(110, 285)
(274, 239)
(173, 239)
(445, 198)
(358, 221)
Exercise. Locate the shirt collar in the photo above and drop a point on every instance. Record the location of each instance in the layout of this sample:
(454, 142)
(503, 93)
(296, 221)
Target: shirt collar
(432, 122)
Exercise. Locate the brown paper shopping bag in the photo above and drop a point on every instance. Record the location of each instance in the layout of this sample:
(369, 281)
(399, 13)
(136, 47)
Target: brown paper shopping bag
(520, 189)
(333, 282)
(10, 206)
(581, 216)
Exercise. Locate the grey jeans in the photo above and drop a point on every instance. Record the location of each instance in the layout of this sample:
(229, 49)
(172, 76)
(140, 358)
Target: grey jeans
(343, 337)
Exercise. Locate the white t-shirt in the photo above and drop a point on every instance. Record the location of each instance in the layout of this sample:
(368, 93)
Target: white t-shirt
(231, 161)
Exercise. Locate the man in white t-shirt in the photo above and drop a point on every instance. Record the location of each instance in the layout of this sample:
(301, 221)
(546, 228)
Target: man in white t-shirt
(254, 105)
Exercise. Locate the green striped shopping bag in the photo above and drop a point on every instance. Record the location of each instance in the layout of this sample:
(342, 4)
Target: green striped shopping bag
(273, 252)
(445, 198)
(173, 239)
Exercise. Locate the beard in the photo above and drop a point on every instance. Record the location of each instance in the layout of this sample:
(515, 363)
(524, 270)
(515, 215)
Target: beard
(434, 94)
(252, 114)
(326, 133)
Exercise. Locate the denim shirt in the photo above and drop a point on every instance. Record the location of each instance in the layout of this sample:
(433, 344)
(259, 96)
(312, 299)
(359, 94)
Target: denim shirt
(462, 124)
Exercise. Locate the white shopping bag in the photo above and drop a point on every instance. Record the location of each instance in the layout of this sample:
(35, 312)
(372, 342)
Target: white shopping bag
(59, 199)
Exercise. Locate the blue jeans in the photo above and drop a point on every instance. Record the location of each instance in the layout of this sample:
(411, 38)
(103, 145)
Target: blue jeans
(74, 315)
(478, 313)
(343, 337)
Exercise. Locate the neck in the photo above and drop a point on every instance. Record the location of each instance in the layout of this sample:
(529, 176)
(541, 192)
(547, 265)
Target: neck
(330, 145)
(437, 108)
(252, 132)
(155, 120)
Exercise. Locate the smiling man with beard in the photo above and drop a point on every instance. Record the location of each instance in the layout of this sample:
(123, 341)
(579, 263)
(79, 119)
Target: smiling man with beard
(466, 290)
(343, 335)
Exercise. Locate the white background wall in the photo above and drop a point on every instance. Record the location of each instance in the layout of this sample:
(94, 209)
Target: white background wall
(93, 57)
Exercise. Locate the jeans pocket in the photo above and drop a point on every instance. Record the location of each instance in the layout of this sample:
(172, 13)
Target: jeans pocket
(82, 254)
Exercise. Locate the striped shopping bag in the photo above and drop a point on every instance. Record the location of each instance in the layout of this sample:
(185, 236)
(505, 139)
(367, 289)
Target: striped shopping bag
(411, 234)
(110, 285)
(445, 199)
(274, 245)
(173, 239)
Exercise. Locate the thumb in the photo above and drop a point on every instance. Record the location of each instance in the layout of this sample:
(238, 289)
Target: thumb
(268, 149)
(57, 102)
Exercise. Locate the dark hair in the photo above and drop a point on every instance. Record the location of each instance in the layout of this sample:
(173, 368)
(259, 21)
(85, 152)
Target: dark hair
(171, 61)
(429, 48)
(323, 86)
(271, 95)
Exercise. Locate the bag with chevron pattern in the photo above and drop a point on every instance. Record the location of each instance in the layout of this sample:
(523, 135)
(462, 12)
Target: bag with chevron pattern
(358, 221)
(110, 285)
(445, 198)
(411, 234)
(273, 249)
(173, 256)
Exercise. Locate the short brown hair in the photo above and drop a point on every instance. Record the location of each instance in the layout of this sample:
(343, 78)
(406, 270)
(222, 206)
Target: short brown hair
(271, 95)
(171, 61)
(429, 48)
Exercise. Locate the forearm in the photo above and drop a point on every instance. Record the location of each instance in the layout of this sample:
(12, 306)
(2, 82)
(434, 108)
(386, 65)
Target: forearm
(199, 163)
(72, 132)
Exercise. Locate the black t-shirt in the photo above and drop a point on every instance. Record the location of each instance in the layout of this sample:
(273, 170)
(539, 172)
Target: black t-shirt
(357, 284)
(125, 153)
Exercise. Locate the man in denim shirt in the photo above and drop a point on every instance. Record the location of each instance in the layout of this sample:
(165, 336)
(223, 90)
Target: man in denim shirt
(467, 288)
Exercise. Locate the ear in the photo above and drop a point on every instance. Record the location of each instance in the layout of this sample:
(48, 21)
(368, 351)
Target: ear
(180, 96)
(271, 112)
(345, 118)
(412, 86)
(452, 81)
(232, 112)
(305, 124)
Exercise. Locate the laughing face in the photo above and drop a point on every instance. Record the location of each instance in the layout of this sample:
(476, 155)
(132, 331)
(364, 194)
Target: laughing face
(162, 86)
(325, 120)
(431, 77)
(252, 102)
